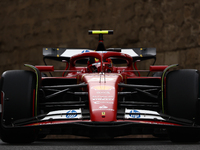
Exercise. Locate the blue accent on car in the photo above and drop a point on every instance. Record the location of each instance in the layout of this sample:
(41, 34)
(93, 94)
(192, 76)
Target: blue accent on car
(85, 51)
(101, 51)
(72, 115)
(134, 116)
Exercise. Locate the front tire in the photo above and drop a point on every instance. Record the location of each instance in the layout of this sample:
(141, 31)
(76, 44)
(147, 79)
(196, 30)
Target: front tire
(18, 87)
(182, 91)
(180, 135)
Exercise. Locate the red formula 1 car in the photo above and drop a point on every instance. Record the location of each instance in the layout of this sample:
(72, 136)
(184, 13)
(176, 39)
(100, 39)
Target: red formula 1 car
(100, 94)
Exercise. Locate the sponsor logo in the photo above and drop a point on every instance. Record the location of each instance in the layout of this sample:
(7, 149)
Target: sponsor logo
(71, 114)
(103, 87)
(134, 115)
(100, 99)
(102, 107)
(101, 51)
(106, 96)
(99, 102)
(103, 92)
(85, 51)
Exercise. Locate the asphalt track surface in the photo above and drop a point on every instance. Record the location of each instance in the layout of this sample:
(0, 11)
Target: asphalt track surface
(115, 144)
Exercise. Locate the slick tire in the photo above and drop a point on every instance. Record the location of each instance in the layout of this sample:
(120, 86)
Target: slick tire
(18, 87)
(180, 135)
(182, 91)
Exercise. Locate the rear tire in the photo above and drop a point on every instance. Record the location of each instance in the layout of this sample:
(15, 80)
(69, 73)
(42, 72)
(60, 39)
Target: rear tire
(18, 87)
(182, 91)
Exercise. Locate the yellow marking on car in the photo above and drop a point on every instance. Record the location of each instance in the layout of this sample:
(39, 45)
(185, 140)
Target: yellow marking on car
(57, 55)
(57, 49)
(141, 49)
(46, 48)
(100, 32)
(96, 59)
(141, 55)
(121, 76)
(82, 77)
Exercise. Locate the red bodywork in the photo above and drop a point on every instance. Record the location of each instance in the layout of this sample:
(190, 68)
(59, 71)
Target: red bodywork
(106, 110)
(101, 93)
(102, 86)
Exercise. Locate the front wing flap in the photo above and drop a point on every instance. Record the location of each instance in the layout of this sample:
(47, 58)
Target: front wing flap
(133, 116)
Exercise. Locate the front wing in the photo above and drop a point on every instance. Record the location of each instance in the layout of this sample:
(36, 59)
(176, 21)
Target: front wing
(73, 122)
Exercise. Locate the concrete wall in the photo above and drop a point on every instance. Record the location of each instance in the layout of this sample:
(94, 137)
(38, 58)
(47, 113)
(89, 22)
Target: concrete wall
(172, 26)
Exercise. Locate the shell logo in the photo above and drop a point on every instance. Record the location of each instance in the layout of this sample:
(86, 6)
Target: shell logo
(103, 87)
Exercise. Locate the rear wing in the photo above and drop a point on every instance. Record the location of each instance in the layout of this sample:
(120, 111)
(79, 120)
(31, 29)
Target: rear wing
(61, 54)
(140, 53)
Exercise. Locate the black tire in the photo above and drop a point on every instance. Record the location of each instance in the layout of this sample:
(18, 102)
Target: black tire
(179, 135)
(18, 87)
(182, 91)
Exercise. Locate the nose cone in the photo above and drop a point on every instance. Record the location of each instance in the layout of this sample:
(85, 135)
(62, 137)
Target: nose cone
(103, 102)
(102, 90)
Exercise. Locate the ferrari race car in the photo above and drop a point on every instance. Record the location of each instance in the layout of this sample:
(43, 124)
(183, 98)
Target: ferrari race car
(101, 94)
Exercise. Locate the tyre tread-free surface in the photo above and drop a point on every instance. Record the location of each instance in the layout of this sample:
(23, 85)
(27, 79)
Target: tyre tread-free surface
(182, 87)
(18, 87)
(182, 91)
